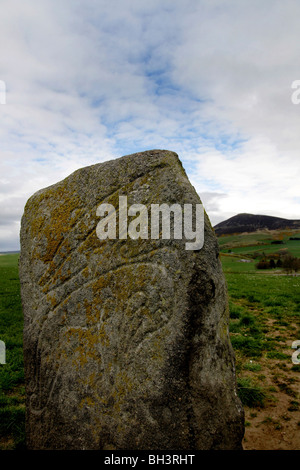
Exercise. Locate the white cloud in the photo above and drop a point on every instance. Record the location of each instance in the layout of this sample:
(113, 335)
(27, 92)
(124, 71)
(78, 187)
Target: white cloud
(94, 80)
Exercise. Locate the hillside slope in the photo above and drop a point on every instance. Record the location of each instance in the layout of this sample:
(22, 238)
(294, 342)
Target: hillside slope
(251, 223)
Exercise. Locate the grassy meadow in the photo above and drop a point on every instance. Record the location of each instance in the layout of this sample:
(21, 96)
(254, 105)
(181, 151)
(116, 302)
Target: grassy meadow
(12, 392)
(264, 321)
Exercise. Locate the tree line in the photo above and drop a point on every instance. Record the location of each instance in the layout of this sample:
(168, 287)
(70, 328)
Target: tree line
(287, 262)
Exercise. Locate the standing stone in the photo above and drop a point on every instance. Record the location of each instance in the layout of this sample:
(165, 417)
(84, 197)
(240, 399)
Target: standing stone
(126, 342)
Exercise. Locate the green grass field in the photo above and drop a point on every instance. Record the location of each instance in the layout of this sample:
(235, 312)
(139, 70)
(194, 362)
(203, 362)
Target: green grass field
(249, 244)
(12, 392)
(264, 321)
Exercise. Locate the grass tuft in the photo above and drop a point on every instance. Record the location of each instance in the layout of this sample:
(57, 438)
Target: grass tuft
(251, 395)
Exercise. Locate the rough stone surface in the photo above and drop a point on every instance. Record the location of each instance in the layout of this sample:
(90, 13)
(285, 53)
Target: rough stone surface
(126, 342)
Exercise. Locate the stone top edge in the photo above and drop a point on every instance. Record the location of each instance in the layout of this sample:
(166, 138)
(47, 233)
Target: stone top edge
(152, 153)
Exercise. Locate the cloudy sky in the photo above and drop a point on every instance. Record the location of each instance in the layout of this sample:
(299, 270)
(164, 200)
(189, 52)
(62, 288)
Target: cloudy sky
(86, 81)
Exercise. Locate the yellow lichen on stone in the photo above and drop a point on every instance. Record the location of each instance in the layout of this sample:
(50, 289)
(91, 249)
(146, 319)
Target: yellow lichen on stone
(85, 344)
(86, 402)
(92, 314)
(56, 228)
(52, 299)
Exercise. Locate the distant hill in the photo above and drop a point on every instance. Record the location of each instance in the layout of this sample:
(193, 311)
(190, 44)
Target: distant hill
(251, 223)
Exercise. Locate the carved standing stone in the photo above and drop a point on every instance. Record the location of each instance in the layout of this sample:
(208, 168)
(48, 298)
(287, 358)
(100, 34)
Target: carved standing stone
(126, 342)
